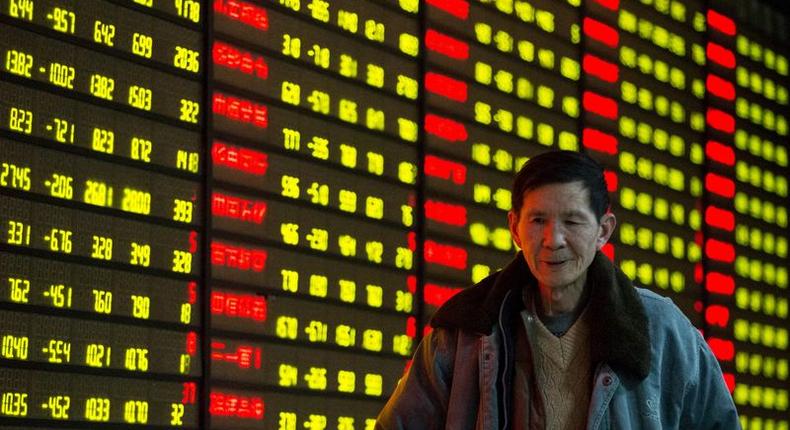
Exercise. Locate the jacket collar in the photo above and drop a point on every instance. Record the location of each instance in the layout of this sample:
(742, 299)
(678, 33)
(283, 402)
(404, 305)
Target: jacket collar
(619, 332)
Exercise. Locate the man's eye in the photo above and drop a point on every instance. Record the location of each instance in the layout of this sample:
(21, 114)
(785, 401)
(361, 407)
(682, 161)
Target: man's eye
(536, 220)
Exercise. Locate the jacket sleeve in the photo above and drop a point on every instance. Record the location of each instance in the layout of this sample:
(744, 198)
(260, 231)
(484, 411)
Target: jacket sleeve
(420, 400)
(708, 403)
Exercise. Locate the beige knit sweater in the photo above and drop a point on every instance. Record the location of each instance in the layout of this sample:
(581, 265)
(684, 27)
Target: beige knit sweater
(563, 372)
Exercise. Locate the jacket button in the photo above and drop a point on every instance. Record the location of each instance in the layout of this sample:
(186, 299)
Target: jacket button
(607, 381)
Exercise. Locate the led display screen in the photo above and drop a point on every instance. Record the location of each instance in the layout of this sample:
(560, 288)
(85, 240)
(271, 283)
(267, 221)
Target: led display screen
(242, 214)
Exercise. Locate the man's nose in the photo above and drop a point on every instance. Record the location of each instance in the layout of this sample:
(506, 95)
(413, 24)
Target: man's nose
(553, 235)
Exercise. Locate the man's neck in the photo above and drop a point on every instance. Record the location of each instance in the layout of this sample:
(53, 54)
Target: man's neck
(556, 301)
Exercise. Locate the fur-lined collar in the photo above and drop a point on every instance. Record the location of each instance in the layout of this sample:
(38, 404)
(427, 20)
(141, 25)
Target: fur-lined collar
(619, 333)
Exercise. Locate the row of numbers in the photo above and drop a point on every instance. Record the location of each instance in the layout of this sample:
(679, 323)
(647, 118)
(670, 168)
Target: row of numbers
(98, 183)
(60, 397)
(118, 29)
(80, 70)
(67, 231)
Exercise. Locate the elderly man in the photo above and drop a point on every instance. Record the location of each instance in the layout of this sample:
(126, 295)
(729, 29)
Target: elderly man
(560, 338)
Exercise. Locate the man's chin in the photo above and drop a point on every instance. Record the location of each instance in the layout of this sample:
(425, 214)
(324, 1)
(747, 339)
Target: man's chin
(555, 281)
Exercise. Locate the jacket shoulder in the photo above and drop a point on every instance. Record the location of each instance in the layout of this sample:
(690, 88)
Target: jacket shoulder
(671, 332)
(662, 313)
(464, 310)
(660, 309)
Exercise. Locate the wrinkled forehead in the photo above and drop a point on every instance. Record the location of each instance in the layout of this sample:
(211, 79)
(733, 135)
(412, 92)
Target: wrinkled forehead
(571, 198)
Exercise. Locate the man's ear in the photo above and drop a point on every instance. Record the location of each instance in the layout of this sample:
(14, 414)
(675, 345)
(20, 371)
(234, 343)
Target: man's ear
(512, 222)
(606, 229)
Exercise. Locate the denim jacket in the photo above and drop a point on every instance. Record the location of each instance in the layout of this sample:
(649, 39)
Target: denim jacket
(653, 369)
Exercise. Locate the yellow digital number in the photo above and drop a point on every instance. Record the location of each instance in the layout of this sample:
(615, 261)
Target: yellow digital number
(182, 210)
(375, 163)
(290, 186)
(59, 407)
(348, 66)
(292, 46)
(136, 359)
(374, 30)
(14, 404)
(321, 56)
(289, 375)
(290, 233)
(20, 120)
(15, 347)
(319, 194)
(187, 59)
(189, 111)
(21, 9)
(136, 201)
(102, 86)
(319, 102)
(98, 355)
(291, 4)
(176, 414)
(374, 207)
(18, 233)
(318, 285)
(60, 186)
(59, 351)
(372, 340)
(374, 250)
(135, 412)
(103, 140)
(316, 378)
(64, 131)
(189, 9)
(186, 313)
(141, 149)
(64, 20)
(19, 290)
(375, 75)
(14, 176)
(346, 381)
(103, 33)
(98, 194)
(97, 409)
(140, 97)
(141, 307)
(60, 295)
(404, 258)
(287, 327)
(142, 45)
(182, 262)
(140, 255)
(188, 161)
(290, 280)
(401, 344)
(316, 331)
(18, 63)
(102, 301)
(291, 93)
(101, 248)
(373, 384)
(345, 335)
(403, 301)
(347, 111)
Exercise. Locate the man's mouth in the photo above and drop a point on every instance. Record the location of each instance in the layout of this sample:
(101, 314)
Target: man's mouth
(554, 263)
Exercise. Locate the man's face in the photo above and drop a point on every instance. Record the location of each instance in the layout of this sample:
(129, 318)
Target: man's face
(559, 234)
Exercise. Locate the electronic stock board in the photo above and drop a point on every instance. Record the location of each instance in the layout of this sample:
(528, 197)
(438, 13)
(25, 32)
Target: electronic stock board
(240, 214)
